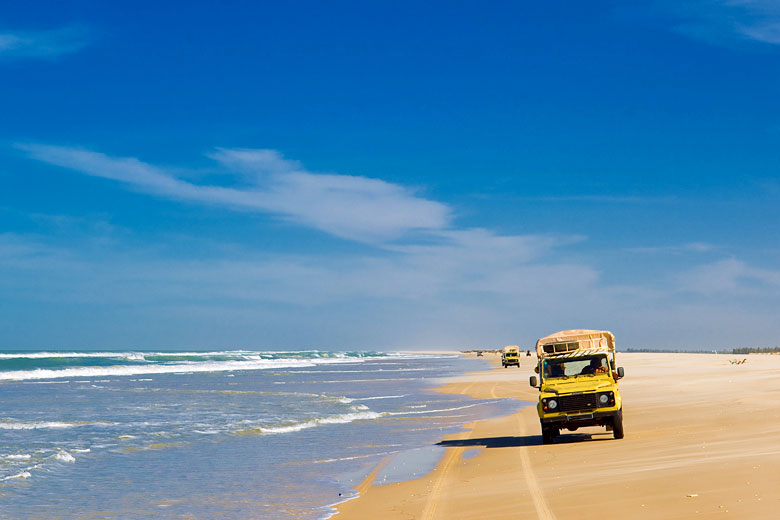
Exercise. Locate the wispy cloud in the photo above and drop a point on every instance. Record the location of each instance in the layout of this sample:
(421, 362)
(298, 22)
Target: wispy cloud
(352, 207)
(426, 280)
(730, 276)
(757, 19)
(42, 44)
(456, 293)
(608, 199)
(690, 247)
(421, 255)
(718, 21)
(472, 288)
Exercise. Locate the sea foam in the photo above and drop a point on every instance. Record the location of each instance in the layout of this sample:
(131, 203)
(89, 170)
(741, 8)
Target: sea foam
(20, 456)
(333, 419)
(64, 456)
(189, 368)
(416, 412)
(23, 474)
(37, 425)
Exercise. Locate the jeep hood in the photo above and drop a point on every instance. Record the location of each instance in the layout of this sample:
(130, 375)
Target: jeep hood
(577, 384)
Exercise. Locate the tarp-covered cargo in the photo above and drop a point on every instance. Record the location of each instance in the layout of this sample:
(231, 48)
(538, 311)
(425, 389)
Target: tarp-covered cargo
(567, 342)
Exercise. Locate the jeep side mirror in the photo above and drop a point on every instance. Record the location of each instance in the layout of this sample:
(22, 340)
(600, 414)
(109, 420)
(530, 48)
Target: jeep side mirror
(533, 381)
(620, 372)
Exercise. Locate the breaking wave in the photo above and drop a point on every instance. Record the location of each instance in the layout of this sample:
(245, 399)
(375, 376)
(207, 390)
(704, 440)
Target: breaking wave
(10, 424)
(333, 419)
(23, 366)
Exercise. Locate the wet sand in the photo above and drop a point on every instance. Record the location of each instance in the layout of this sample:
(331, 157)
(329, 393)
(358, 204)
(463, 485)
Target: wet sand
(702, 441)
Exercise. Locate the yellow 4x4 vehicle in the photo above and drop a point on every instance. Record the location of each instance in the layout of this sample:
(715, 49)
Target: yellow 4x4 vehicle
(510, 356)
(578, 382)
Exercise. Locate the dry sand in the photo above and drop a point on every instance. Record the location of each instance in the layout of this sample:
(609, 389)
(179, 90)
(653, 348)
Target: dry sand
(702, 440)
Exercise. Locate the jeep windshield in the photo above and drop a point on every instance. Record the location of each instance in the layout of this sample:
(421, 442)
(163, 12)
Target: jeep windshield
(573, 367)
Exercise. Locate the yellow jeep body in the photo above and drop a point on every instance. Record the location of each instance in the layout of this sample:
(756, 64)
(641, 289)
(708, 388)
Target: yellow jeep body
(510, 356)
(578, 382)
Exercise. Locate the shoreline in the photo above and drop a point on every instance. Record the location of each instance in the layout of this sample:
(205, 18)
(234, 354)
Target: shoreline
(273, 444)
(395, 465)
(702, 439)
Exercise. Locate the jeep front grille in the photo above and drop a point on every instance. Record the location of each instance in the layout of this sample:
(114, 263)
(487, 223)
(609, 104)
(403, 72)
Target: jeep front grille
(573, 403)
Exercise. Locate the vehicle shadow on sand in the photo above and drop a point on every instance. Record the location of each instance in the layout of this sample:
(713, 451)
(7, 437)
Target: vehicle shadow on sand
(527, 440)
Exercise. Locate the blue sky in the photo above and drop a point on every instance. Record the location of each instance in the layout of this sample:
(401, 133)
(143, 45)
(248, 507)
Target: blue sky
(388, 174)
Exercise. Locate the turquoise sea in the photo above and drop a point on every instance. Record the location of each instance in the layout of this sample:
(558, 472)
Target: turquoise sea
(234, 434)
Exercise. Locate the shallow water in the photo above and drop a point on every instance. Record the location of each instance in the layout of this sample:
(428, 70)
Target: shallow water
(230, 435)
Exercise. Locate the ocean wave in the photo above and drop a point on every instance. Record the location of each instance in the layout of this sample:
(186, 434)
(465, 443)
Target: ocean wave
(10, 424)
(55, 355)
(64, 456)
(355, 457)
(23, 474)
(18, 456)
(363, 380)
(178, 368)
(372, 370)
(375, 397)
(127, 355)
(20, 366)
(295, 427)
(246, 354)
(416, 412)
(421, 355)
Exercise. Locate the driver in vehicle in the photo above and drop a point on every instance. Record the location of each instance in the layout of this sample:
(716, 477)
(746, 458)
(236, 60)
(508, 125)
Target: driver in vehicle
(596, 366)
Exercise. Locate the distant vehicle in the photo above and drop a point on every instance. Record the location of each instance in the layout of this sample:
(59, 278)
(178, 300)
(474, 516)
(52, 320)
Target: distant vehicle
(510, 356)
(479, 353)
(578, 382)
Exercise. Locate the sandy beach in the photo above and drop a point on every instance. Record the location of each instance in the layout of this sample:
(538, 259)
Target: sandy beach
(702, 440)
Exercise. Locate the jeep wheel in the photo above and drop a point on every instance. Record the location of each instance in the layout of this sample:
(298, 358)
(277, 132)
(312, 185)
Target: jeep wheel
(617, 425)
(548, 434)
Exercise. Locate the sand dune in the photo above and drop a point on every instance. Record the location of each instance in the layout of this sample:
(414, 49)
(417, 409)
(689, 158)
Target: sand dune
(702, 440)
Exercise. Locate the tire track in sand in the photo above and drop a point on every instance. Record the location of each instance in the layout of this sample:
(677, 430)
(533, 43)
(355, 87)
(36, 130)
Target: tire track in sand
(451, 456)
(543, 511)
(454, 454)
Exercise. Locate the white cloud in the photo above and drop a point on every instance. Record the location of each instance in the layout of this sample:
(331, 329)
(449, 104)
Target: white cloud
(421, 259)
(718, 21)
(757, 19)
(351, 207)
(690, 247)
(472, 288)
(730, 276)
(256, 163)
(39, 44)
(426, 282)
(420, 256)
(13, 246)
(394, 298)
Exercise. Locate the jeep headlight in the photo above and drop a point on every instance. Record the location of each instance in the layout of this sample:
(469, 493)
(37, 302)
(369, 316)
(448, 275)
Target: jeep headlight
(552, 404)
(607, 399)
